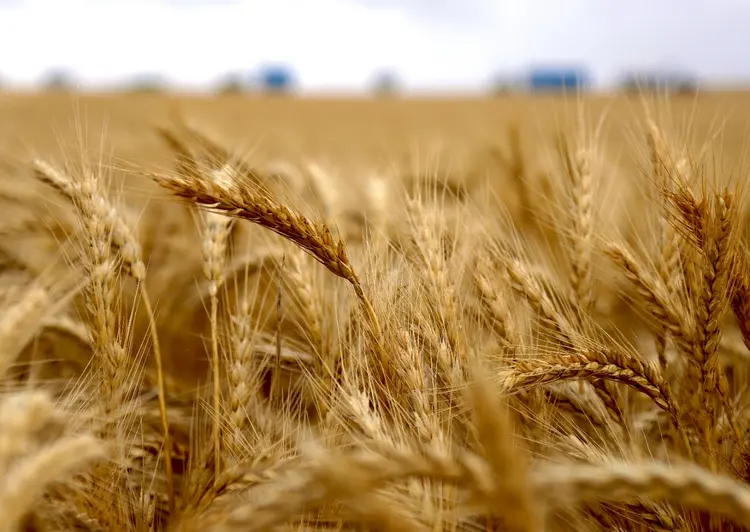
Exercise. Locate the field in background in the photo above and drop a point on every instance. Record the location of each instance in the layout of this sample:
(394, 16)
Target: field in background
(353, 134)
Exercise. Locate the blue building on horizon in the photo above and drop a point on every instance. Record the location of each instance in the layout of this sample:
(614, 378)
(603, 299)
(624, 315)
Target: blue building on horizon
(276, 79)
(556, 79)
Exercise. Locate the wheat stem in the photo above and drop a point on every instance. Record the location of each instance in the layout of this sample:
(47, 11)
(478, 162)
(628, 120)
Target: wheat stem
(162, 396)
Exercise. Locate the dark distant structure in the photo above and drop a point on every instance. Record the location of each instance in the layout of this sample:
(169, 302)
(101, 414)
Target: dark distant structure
(147, 83)
(276, 79)
(557, 79)
(655, 82)
(385, 84)
(58, 79)
(232, 83)
(505, 83)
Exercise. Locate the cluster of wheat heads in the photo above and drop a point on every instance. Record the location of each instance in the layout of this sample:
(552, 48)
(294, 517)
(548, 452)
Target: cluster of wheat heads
(431, 364)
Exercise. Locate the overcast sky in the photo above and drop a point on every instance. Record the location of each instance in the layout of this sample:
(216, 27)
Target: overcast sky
(338, 44)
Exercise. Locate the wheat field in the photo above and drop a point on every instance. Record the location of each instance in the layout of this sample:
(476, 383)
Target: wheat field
(228, 314)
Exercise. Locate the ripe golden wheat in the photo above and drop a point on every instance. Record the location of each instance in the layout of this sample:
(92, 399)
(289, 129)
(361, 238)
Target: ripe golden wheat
(435, 361)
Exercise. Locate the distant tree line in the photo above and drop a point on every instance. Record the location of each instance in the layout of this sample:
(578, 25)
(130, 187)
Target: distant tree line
(279, 79)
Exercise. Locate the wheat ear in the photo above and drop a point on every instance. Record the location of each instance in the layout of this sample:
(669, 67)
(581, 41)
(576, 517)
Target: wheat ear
(581, 180)
(685, 484)
(533, 291)
(19, 322)
(20, 489)
(34, 452)
(299, 279)
(243, 374)
(670, 263)
(494, 302)
(712, 232)
(106, 225)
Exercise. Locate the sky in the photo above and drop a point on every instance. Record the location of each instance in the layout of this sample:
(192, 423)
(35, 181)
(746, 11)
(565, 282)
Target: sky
(340, 45)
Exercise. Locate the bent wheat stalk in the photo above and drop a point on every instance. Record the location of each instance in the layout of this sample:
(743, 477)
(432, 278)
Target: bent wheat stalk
(248, 201)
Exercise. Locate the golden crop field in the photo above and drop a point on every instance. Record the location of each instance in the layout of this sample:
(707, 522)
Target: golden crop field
(520, 314)
(352, 132)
